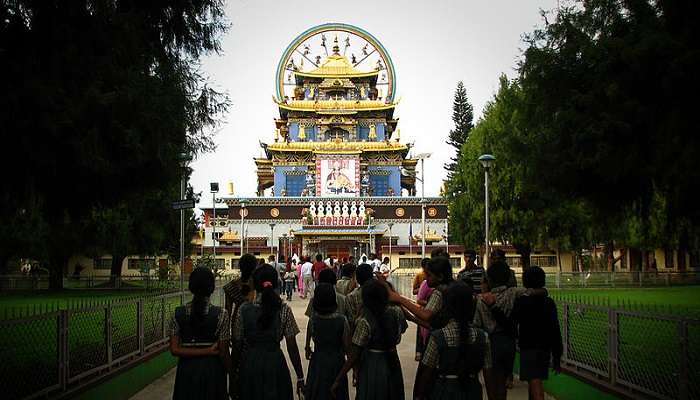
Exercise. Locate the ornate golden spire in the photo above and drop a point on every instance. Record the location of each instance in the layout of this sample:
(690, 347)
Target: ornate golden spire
(336, 49)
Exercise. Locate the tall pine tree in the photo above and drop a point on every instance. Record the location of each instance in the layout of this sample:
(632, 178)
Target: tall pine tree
(463, 117)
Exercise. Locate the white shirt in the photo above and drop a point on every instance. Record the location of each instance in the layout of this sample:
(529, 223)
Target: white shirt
(306, 269)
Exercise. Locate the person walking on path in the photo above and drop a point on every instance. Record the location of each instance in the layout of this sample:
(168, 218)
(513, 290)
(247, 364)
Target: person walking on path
(290, 276)
(199, 337)
(431, 315)
(377, 333)
(318, 265)
(471, 272)
(539, 337)
(262, 325)
(307, 278)
(331, 340)
(300, 281)
(236, 293)
(347, 279)
(456, 353)
(500, 330)
(353, 301)
(422, 297)
(328, 276)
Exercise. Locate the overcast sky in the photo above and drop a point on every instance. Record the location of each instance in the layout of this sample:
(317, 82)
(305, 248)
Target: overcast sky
(433, 44)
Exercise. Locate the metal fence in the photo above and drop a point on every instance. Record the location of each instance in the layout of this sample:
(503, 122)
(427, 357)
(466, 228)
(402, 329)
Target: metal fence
(59, 352)
(602, 279)
(637, 354)
(137, 282)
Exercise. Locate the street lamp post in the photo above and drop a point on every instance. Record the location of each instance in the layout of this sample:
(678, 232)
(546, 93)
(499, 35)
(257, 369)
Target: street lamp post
(184, 160)
(242, 212)
(214, 188)
(486, 160)
(391, 225)
(272, 239)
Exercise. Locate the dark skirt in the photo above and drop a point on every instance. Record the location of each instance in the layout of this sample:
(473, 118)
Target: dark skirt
(380, 377)
(200, 378)
(534, 364)
(452, 389)
(264, 375)
(323, 368)
(502, 353)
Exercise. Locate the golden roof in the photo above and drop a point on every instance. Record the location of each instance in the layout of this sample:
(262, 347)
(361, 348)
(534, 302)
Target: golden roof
(337, 146)
(229, 236)
(336, 66)
(334, 106)
(430, 236)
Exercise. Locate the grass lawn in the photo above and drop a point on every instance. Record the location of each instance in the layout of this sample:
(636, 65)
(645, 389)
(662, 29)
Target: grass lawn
(679, 300)
(30, 353)
(649, 348)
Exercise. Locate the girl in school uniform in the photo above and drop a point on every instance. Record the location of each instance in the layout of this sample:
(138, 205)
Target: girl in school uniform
(199, 337)
(331, 338)
(262, 324)
(455, 353)
(377, 333)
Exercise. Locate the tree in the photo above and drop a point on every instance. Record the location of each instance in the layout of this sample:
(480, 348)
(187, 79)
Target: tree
(521, 213)
(101, 99)
(463, 118)
(606, 84)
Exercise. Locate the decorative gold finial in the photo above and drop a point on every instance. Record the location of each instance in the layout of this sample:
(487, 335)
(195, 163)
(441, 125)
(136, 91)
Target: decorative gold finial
(372, 132)
(302, 134)
(277, 134)
(398, 134)
(336, 48)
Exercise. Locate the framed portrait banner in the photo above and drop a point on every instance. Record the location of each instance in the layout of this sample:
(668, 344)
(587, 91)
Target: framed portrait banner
(337, 175)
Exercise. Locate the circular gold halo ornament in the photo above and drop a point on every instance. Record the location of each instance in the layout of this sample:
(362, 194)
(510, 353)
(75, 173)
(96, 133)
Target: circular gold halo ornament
(400, 212)
(432, 212)
(274, 212)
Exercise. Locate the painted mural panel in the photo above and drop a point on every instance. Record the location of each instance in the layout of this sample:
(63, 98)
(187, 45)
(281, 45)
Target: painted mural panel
(338, 175)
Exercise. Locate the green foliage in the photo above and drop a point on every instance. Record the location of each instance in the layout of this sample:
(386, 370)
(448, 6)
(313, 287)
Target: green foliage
(209, 262)
(463, 118)
(101, 99)
(593, 143)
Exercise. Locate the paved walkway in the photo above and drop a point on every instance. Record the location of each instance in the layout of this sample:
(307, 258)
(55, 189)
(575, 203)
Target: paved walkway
(163, 387)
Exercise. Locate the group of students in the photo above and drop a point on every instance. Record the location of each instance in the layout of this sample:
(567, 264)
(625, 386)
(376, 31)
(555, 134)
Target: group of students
(355, 325)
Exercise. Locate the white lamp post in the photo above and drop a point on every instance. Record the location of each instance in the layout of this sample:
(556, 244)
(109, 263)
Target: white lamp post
(272, 240)
(486, 160)
(214, 188)
(391, 225)
(242, 212)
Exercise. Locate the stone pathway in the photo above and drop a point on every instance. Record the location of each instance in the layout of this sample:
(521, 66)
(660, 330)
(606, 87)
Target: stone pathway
(163, 387)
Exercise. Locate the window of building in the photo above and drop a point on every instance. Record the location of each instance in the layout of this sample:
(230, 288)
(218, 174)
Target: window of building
(668, 258)
(514, 261)
(409, 262)
(379, 184)
(142, 264)
(363, 133)
(544, 261)
(294, 184)
(102, 263)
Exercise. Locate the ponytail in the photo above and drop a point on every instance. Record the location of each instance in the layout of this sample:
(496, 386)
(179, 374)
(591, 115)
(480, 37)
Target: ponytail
(201, 285)
(265, 280)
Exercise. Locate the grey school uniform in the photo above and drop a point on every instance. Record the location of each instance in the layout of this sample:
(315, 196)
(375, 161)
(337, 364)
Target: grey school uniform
(442, 353)
(328, 333)
(264, 373)
(380, 376)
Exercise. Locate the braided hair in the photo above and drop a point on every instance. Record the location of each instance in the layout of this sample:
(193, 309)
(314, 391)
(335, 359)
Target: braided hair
(265, 281)
(201, 284)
